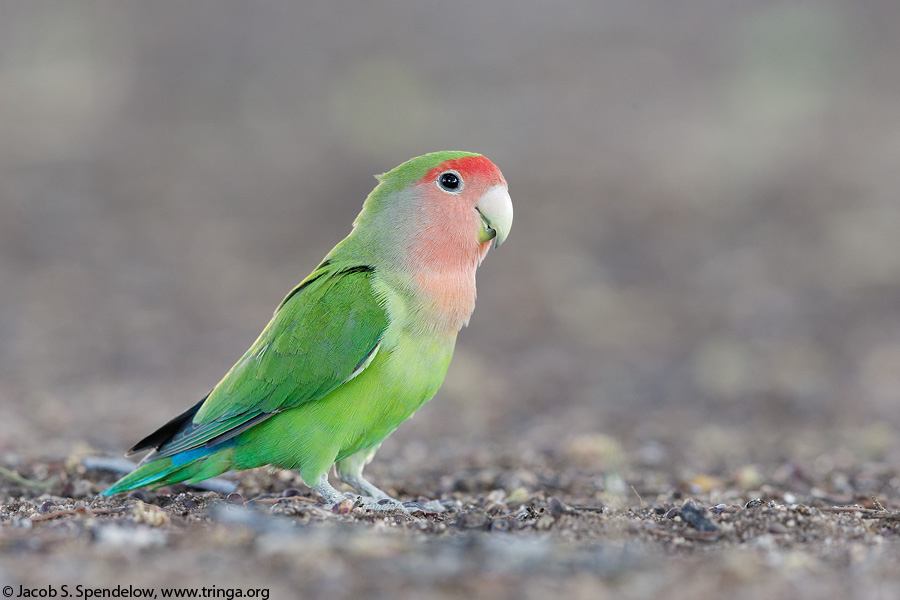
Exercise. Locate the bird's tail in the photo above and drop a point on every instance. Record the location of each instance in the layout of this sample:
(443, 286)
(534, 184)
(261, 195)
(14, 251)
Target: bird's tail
(188, 467)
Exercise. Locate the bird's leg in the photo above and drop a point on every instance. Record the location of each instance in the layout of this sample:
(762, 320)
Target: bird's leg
(331, 495)
(349, 470)
(375, 499)
(364, 487)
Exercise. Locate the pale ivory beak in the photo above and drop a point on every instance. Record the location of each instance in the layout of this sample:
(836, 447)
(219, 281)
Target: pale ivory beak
(496, 211)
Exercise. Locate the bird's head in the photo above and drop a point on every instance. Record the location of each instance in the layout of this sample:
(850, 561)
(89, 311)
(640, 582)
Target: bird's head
(447, 204)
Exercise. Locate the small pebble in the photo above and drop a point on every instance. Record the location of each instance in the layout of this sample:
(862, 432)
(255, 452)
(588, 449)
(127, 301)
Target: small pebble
(344, 507)
(47, 506)
(291, 492)
(235, 498)
(500, 525)
(557, 508)
(672, 513)
(695, 516)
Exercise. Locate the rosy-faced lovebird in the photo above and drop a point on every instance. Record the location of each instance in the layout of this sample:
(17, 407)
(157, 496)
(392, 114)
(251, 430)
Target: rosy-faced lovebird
(354, 349)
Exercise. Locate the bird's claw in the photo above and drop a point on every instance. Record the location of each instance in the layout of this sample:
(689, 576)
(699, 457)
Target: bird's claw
(389, 505)
(431, 507)
(384, 505)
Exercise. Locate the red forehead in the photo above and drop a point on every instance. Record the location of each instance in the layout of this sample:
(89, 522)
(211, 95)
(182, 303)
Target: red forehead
(467, 166)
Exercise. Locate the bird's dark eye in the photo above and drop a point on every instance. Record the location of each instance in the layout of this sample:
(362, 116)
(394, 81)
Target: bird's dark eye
(449, 181)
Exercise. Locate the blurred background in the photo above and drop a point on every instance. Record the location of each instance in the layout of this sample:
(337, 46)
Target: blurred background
(705, 257)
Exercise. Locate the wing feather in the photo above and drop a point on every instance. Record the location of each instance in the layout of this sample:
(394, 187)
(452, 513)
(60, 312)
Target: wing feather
(325, 332)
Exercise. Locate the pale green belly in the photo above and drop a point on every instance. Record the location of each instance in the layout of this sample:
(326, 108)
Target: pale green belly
(356, 416)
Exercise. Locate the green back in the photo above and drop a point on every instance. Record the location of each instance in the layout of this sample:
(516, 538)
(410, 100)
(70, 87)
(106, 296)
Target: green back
(323, 332)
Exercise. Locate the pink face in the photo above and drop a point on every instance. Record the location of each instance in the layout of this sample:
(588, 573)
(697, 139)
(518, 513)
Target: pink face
(450, 226)
(448, 235)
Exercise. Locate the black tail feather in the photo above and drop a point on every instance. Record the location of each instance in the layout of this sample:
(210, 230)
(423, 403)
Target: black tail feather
(165, 433)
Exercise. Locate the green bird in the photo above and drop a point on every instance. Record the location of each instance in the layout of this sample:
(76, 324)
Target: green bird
(354, 349)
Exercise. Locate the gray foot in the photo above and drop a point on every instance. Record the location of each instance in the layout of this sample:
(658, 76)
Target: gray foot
(377, 501)
(383, 505)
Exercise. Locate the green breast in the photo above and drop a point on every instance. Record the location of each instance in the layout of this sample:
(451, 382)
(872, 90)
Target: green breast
(392, 388)
(356, 416)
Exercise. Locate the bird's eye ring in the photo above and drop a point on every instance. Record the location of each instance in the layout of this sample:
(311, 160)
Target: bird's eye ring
(450, 181)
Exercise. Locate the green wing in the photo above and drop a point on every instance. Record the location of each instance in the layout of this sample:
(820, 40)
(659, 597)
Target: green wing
(324, 333)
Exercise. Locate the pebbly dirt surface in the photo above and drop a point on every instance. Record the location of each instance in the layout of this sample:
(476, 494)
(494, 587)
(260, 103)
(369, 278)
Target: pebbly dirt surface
(512, 526)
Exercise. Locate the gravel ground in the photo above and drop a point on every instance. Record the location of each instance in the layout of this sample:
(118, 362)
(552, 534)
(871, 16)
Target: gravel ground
(509, 526)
